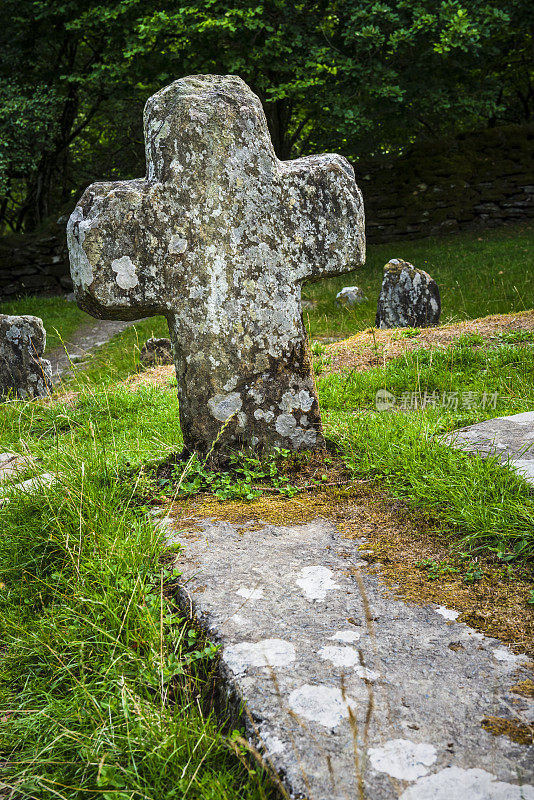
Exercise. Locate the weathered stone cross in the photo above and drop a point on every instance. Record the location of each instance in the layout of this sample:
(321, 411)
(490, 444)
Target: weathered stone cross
(218, 238)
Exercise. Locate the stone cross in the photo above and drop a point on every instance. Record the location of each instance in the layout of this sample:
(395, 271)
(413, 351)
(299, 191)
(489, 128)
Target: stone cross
(218, 238)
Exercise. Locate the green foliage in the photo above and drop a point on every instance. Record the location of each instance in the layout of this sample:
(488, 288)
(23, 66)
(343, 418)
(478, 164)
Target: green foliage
(244, 479)
(356, 77)
(459, 384)
(485, 502)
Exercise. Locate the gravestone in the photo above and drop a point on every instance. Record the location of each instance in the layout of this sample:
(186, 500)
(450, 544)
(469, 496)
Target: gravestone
(350, 296)
(23, 373)
(218, 238)
(409, 297)
(156, 352)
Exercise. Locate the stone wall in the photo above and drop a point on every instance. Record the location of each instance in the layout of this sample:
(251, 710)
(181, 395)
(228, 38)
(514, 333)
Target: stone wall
(35, 263)
(480, 179)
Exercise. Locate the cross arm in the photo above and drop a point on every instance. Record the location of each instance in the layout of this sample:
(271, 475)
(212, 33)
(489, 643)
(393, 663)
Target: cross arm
(113, 251)
(329, 226)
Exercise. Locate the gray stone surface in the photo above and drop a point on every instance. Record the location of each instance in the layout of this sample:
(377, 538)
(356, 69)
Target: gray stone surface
(298, 645)
(13, 463)
(219, 237)
(409, 297)
(510, 438)
(155, 352)
(24, 374)
(350, 296)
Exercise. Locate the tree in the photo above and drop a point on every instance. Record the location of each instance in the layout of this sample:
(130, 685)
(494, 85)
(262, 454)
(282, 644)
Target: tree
(355, 76)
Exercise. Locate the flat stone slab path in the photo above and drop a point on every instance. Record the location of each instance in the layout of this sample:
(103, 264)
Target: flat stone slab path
(511, 438)
(349, 692)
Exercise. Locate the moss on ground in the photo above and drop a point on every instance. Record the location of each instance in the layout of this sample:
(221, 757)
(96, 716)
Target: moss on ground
(397, 541)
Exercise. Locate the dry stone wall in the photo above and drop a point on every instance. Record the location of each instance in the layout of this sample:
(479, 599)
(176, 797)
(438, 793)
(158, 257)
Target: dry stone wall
(35, 264)
(483, 179)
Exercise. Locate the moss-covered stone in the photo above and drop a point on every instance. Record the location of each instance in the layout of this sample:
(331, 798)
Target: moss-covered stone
(219, 237)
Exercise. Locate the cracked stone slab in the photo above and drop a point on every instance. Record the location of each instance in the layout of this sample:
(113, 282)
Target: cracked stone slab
(311, 663)
(510, 438)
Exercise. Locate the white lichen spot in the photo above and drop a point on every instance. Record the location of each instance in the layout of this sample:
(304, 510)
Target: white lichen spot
(271, 743)
(345, 636)
(266, 653)
(230, 384)
(305, 400)
(447, 613)
(339, 656)
(506, 656)
(125, 269)
(403, 759)
(14, 334)
(223, 406)
(365, 673)
(316, 581)
(454, 783)
(322, 704)
(250, 594)
(177, 245)
(285, 424)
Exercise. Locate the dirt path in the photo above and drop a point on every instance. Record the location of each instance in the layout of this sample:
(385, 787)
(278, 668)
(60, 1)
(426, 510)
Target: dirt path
(85, 339)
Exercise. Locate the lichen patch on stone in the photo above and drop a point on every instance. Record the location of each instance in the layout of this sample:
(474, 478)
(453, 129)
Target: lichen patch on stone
(455, 783)
(126, 274)
(316, 582)
(322, 704)
(266, 653)
(403, 759)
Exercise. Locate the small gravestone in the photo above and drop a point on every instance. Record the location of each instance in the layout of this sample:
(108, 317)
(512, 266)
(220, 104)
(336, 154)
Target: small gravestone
(156, 352)
(350, 296)
(218, 238)
(409, 297)
(23, 373)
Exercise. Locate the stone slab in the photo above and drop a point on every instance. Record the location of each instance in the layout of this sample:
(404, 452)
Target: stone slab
(13, 463)
(510, 438)
(350, 692)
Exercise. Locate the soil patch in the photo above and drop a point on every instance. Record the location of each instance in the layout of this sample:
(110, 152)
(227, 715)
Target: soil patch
(374, 348)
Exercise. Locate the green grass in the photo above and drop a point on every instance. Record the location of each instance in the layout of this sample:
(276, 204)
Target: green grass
(104, 688)
(482, 503)
(101, 682)
(61, 318)
(478, 273)
(120, 356)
